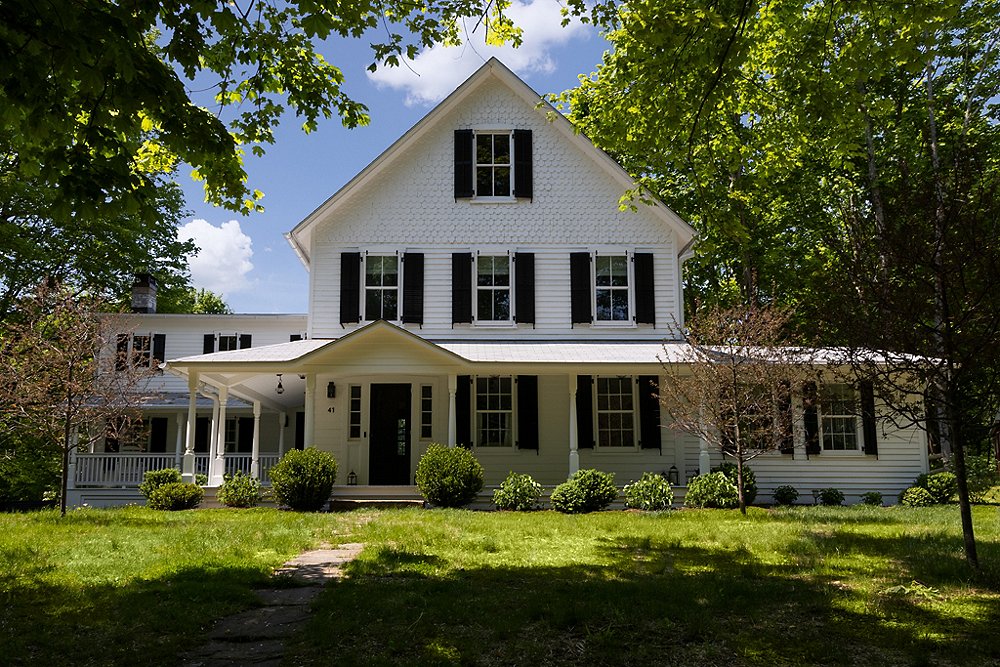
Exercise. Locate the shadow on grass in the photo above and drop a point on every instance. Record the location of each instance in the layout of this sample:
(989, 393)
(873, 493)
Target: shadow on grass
(656, 603)
(143, 622)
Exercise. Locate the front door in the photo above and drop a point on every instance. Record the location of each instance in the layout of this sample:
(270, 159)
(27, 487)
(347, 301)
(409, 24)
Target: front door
(389, 434)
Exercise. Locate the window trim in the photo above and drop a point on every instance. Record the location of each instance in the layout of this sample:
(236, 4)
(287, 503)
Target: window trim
(629, 321)
(351, 412)
(363, 305)
(476, 321)
(474, 423)
(821, 416)
(597, 412)
(427, 413)
(492, 199)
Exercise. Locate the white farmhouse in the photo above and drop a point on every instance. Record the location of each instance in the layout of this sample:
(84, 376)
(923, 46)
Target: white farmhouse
(476, 285)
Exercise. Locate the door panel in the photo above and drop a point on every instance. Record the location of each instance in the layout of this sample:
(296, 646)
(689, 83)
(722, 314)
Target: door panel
(389, 434)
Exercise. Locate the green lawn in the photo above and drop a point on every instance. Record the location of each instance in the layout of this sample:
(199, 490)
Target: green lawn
(788, 587)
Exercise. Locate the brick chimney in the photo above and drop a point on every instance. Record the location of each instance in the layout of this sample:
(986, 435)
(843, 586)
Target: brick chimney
(144, 294)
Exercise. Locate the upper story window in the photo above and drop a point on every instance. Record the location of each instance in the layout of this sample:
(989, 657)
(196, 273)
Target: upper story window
(140, 350)
(611, 288)
(381, 287)
(225, 342)
(494, 411)
(615, 412)
(838, 421)
(493, 164)
(493, 284)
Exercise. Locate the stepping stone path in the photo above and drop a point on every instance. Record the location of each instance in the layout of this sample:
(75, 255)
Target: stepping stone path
(257, 636)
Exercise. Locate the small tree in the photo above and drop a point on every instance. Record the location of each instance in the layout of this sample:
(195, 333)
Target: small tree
(59, 376)
(732, 384)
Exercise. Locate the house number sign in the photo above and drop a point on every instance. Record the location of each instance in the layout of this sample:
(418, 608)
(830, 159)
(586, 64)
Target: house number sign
(401, 437)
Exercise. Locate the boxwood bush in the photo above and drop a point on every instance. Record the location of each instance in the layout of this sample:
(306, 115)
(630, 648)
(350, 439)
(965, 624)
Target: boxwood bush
(831, 496)
(712, 490)
(176, 496)
(303, 479)
(240, 490)
(785, 495)
(942, 486)
(749, 480)
(873, 498)
(449, 476)
(916, 496)
(586, 491)
(518, 492)
(154, 479)
(651, 493)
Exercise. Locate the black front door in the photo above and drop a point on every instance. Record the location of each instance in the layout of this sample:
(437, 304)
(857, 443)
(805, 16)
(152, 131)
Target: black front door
(389, 434)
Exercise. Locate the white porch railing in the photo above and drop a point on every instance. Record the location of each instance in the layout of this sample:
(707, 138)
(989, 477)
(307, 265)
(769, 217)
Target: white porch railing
(114, 470)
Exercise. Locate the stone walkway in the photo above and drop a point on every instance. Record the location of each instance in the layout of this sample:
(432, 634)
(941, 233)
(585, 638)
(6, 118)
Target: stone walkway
(257, 636)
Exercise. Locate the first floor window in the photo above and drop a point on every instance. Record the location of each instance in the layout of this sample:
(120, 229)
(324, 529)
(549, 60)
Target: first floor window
(493, 288)
(495, 411)
(381, 287)
(838, 420)
(354, 411)
(493, 164)
(611, 299)
(615, 412)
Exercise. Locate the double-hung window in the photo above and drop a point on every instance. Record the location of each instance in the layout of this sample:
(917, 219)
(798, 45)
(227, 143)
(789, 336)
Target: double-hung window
(495, 411)
(615, 412)
(838, 418)
(228, 342)
(611, 288)
(381, 287)
(140, 351)
(493, 164)
(493, 298)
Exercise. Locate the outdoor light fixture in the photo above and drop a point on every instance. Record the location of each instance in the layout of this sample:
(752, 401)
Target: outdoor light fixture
(673, 475)
(352, 479)
(331, 390)
(279, 389)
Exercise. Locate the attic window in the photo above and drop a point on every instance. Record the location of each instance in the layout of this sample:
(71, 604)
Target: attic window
(493, 165)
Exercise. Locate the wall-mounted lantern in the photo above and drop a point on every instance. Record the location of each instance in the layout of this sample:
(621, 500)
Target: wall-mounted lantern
(352, 479)
(331, 390)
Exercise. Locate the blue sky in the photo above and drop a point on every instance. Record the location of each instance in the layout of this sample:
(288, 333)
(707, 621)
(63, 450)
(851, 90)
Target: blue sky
(246, 258)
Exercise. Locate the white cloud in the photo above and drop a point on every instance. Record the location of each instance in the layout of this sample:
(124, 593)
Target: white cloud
(223, 261)
(438, 70)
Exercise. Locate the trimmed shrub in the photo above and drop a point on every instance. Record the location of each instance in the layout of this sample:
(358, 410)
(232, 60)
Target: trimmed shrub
(873, 498)
(303, 479)
(942, 486)
(449, 476)
(831, 497)
(916, 496)
(518, 493)
(586, 491)
(651, 493)
(749, 480)
(201, 479)
(154, 479)
(712, 490)
(176, 496)
(785, 495)
(240, 490)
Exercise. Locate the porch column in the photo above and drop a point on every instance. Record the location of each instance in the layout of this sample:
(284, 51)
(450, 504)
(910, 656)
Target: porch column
(255, 451)
(282, 425)
(310, 419)
(187, 467)
(219, 468)
(452, 412)
(574, 436)
(179, 444)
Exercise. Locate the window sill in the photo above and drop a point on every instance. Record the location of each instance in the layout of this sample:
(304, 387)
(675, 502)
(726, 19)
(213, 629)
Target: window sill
(848, 454)
(604, 451)
(612, 324)
(493, 200)
(506, 449)
(498, 324)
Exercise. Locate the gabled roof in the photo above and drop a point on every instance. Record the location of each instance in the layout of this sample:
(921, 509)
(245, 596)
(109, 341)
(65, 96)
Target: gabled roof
(300, 237)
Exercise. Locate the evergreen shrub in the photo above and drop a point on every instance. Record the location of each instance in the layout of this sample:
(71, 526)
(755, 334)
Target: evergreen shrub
(240, 490)
(176, 496)
(916, 496)
(651, 493)
(518, 492)
(712, 490)
(942, 486)
(303, 479)
(873, 498)
(749, 480)
(586, 491)
(831, 496)
(785, 495)
(154, 479)
(449, 476)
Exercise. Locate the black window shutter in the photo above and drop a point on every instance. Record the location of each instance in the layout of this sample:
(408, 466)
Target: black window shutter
(463, 408)
(413, 288)
(244, 437)
(245, 341)
(579, 287)
(208, 347)
(294, 337)
(158, 434)
(649, 412)
(522, 164)
(784, 409)
(463, 164)
(645, 300)
(584, 412)
(121, 352)
(350, 287)
(868, 429)
(810, 417)
(527, 412)
(159, 348)
(461, 287)
(524, 287)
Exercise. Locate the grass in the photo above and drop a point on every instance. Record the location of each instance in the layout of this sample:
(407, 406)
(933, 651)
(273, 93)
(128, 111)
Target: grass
(830, 586)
